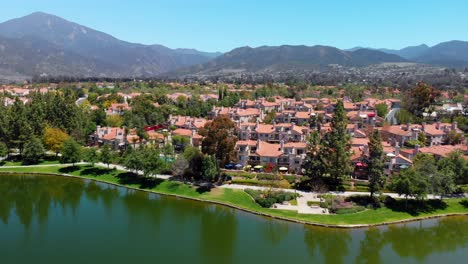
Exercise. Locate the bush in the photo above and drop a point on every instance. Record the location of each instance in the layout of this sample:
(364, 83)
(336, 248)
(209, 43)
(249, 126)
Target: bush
(266, 199)
(241, 174)
(290, 178)
(281, 184)
(269, 177)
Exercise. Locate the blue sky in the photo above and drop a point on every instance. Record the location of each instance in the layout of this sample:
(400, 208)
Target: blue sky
(221, 25)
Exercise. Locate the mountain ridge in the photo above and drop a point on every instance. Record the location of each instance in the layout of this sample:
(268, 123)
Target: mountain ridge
(49, 45)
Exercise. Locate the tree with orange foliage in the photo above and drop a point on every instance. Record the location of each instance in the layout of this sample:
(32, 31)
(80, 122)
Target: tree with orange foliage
(219, 139)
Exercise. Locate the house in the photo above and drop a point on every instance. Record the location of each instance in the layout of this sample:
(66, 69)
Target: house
(114, 136)
(118, 109)
(289, 155)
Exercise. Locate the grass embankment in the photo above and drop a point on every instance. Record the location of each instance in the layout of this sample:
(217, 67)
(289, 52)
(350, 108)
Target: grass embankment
(48, 160)
(242, 200)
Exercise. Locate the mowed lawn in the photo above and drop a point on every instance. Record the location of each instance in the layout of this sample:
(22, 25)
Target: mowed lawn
(241, 199)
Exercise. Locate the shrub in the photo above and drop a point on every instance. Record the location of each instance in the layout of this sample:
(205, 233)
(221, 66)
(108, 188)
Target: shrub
(290, 178)
(281, 184)
(324, 205)
(266, 199)
(270, 177)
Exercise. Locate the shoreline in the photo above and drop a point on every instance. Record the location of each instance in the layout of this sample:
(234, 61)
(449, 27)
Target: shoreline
(350, 226)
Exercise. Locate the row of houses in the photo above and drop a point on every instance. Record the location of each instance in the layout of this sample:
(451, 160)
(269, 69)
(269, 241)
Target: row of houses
(282, 143)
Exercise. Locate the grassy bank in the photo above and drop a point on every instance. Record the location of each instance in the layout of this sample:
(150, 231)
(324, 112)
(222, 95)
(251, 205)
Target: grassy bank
(240, 199)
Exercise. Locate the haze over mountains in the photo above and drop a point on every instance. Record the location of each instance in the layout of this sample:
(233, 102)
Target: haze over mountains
(47, 45)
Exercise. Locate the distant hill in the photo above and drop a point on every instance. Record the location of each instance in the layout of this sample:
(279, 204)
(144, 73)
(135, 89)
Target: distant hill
(450, 54)
(408, 53)
(279, 58)
(119, 58)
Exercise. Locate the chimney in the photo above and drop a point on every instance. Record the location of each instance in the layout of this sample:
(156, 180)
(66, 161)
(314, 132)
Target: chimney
(282, 145)
(423, 124)
(416, 150)
(366, 149)
(258, 144)
(454, 125)
(437, 125)
(415, 133)
(408, 126)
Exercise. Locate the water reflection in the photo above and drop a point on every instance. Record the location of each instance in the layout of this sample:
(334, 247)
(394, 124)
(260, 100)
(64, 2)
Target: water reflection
(187, 231)
(332, 244)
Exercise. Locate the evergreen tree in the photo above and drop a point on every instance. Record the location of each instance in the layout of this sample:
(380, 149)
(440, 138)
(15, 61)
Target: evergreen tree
(336, 147)
(3, 150)
(375, 163)
(313, 165)
(33, 151)
(18, 128)
(36, 112)
(71, 151)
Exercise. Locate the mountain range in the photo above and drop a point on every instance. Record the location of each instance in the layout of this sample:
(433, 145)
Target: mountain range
(41, 44)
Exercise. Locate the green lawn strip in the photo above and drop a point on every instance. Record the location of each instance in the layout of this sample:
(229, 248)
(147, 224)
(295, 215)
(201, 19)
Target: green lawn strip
(242, 200)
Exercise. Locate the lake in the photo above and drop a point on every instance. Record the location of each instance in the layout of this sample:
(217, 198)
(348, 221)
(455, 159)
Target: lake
(52, 219)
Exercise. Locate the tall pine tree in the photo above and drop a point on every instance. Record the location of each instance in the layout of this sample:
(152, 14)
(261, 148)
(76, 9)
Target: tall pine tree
(336, 147)
(375, 163)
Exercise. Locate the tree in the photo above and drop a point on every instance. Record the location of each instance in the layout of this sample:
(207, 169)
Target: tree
(114, 120)
(218, 139)
(71, 151)
(106, 155)
(404, 117)
(54, 139)
(209, 168)
(18, 128)
(313, 165)
(410, 183)
(455, 163)
(422, 138)
(3, 150)
(180, 166)
(382, 109)
(180, 142)
(90, 155)
(133, 159)
(195, 160)
(454, 137)
(375, 163)
(443, 183)
(152, 163)
(168, 150)
(401, 184)
(420, 97)
(33, 151)
(336, 147)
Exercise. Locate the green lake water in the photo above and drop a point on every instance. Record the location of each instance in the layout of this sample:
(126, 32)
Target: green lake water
(47, 219)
